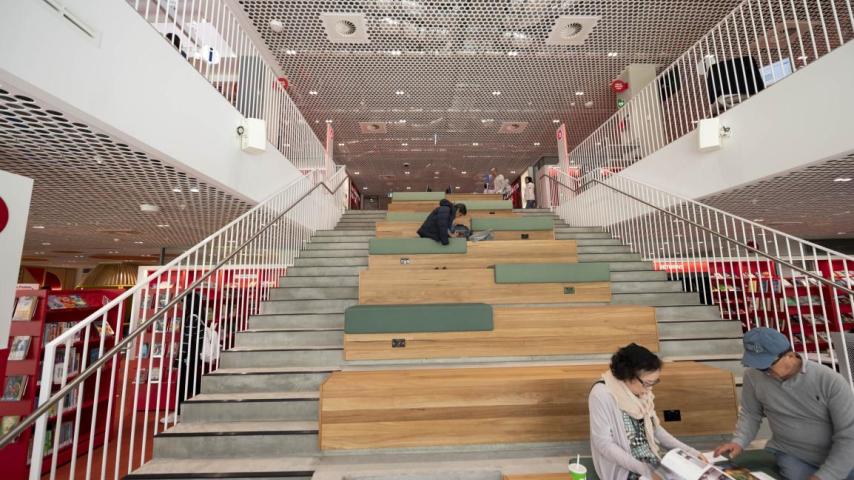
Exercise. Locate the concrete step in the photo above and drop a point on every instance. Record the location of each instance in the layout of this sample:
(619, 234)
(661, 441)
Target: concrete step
(271, 338)
(590, 242)
(307, 320)
(277, 379)
(350, 253)
(588, 249)
(255, 468)
(251, 407)
(609, 257)
(275, 357)
(331, 262)
(630, 266)
(655, 299)
(331, 281)
(341, 239)
(307, 306)
(337, 246)
(645, 287)
(705, 349)
(237, 440)
(344, 233)
(696, 313)
(354, 222)
(359, 227)
(638, 276)
(324, 271)
(569, 229)
(561, 235)
(699, 330)
(314, 293)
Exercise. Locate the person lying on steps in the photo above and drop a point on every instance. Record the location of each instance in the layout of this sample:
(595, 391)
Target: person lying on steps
(440, 222)
(809, 407)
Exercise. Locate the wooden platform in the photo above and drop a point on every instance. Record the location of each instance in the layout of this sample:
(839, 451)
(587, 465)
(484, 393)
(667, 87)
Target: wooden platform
(469, 197)
(523, 235)
(428, 206)
(485, 254)
(388, 286)
(521, 331)
(500, 405)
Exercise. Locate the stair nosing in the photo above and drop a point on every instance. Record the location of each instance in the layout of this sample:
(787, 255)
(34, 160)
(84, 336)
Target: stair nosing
(245, 433)
(191, 475)
(293, 329)
(299, 348)
(290, 371)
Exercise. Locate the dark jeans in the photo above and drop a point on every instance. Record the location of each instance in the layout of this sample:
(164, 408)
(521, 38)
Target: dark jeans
(531, 204)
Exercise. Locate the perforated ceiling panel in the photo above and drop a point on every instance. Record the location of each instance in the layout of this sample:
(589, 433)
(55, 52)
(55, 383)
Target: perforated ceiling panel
(815, 202)
(444, 74)
(89, 187)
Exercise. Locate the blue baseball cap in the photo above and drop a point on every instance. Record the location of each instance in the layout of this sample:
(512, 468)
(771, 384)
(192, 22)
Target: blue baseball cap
(762, 347)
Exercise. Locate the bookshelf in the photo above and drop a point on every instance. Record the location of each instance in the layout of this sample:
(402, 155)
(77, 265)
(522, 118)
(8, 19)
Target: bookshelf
(54, 312)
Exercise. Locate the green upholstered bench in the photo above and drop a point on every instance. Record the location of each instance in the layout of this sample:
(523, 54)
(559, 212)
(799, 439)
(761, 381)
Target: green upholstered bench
(406, 216)
(552, 273)
(439, 317)
(414, 246)
(416, 196)
(476, 205)
(513, 224)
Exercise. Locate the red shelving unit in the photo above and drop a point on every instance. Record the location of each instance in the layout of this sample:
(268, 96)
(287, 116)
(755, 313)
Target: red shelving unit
(15, 456)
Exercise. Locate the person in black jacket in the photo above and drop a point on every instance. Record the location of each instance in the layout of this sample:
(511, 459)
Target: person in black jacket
(441, 221)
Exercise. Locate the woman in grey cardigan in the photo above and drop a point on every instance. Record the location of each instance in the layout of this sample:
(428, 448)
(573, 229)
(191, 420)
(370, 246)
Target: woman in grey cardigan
(625, 435)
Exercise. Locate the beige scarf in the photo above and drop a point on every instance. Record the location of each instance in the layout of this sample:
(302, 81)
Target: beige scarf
(637, 407)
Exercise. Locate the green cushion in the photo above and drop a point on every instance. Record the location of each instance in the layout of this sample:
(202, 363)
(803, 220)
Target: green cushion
(406, 216)
(488, 205)
(416, 196)
(413, 246)
(552, 273)
(520, 223)
(440, 317)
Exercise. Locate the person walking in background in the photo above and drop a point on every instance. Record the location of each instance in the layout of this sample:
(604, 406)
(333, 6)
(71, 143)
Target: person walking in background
(625, 433)
(489, 181)
(530, 195)
(809, 407)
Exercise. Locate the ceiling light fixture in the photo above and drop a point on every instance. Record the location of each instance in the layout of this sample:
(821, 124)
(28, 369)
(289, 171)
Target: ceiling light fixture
(463, 172)
(277, 26)
(340, 144)
(291, 52)
(536, 144)
(842, 179)
(163, 225)
(496, 92)
(194, 190)
(312, 92)
(138, 242)
(487, 120)
(399, 92)
(364, 188)
(395, 52)
(579, 93)
(328, 120)
(612, 54)
(149, 208)
(409, 188)
(555, 121)
(475, 144)
(512, 54)
(457, 187)
(176, 190)
(355, 173)
(406, 173)
(404, 144)
(840, 233)
(38, 227)
(512, 171)
(401, 121)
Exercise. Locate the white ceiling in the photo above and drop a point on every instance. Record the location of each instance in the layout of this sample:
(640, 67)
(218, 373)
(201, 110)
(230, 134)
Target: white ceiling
(88, 190)
(807, 203)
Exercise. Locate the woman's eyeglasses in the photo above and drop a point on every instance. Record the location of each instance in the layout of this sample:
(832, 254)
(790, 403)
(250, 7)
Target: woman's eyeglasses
(649, 385)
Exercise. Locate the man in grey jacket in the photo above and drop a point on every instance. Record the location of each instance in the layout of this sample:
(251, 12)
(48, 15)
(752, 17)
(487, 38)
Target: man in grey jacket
(810, 409)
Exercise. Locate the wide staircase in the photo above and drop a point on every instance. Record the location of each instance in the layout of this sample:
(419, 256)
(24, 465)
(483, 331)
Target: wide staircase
(257, 416)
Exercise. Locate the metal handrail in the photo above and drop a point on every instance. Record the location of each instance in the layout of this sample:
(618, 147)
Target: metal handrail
(121, 346)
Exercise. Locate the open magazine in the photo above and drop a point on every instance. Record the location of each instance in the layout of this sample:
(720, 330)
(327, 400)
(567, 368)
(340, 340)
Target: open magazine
(678, 464)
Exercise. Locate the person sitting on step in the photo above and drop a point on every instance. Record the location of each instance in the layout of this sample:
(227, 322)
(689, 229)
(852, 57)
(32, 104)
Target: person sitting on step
(625, 434)
(440, 223)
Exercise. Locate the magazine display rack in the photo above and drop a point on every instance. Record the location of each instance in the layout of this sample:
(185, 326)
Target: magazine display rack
(39, 317)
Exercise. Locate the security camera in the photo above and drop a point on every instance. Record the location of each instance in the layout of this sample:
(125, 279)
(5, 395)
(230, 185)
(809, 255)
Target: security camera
(405, 164)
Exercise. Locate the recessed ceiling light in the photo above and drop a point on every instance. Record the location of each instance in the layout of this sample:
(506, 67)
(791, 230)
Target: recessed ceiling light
(579, 93)
(588, 104)
(512, 54)
(312, 92)
(399, 92)
(176, 190)
(435, 173)
(555, 121)
(406, 173)
(46, 244)
(328, 120)
(113, 251)
(758, 219)
(475, 144)
(496, 92)
(463, 172)
(512, 171)
(612, 54)
(409, 188)
(401, 121)
(277, 25)
(163, 225)
(404, 144)
(355, 173)
(138, 242)
(98, 160)
(536, 144)
(457, 187)
(149, 208)
(38, 227)
(38, 253)
(840, 233)
(291, 52)
(194, 190)
(842, 179)
(364, 188)
(435, 178)
(395, 52)
(803, 57)
(487, 120)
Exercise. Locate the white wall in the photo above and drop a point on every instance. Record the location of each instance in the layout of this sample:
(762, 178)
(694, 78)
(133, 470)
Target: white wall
(803, 119)
(130, 83)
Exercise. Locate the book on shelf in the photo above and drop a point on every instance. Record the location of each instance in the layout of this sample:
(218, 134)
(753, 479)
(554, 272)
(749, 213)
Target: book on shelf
(94, 355)
(142, 375)
(60, 374)
(154, 375)
(66, 434)
(55, 329)
(105, 330)
(69, 402)
(7, 423)
(20, 348)
(64, 302)
(25, 308)
(14, 388)
(157, 350)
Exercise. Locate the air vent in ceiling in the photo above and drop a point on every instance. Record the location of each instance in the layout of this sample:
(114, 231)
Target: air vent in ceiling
(571, 30)
(512, 127)
(373, 127)
(345, 27)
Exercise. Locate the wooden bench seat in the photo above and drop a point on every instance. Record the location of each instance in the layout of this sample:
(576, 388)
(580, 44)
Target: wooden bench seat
(517, 331)
(472, 197)
(388, 286)
(484, 255)
(472, 206)
(494, 405)
(436, 196)
(516, 228)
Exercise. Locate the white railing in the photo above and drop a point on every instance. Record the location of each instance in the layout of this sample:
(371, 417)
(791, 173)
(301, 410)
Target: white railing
(756, 275)
(209, 35)
(104, 395)
(758, 44)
